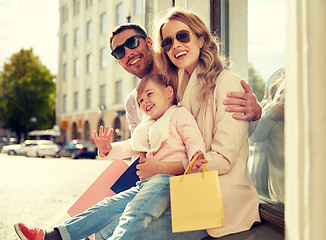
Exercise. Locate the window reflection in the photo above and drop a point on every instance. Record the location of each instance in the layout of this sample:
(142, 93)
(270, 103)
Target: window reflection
(267, 168)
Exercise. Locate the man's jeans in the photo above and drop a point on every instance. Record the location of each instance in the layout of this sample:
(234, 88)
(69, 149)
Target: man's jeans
(129, 211)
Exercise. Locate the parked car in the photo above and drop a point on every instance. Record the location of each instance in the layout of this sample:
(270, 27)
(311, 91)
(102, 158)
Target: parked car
(18, 149)
(4, 142)
(79, 149)
(43, 148)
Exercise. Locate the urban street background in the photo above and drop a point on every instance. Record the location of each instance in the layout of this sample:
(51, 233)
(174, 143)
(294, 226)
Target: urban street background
(39, 191)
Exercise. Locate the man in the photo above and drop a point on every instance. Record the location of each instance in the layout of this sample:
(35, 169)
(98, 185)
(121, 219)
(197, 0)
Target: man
(133, 49)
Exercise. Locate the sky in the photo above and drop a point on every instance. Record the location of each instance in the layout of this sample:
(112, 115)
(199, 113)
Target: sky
(35, 23)
(266, 36)
(30, 23)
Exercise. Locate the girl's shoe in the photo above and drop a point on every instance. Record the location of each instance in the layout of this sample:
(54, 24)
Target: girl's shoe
(26, 233)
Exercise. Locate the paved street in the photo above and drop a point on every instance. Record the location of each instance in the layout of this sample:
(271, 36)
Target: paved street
(39, 191)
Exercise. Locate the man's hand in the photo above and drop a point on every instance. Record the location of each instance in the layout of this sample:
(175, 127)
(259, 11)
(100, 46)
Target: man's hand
(246, 104)
(103, 140)
(147, 167)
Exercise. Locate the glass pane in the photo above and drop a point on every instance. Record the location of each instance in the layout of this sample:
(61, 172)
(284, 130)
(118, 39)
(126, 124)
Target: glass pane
(266, 57)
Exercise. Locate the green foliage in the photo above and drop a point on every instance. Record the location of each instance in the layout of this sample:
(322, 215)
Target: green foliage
(27, 91)
(256, 83)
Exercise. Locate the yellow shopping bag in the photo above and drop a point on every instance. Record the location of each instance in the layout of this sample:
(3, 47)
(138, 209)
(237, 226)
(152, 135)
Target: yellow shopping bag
(196, 201)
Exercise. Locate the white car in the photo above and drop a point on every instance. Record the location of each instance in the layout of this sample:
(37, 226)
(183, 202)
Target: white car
(43, 148)
(18, 149)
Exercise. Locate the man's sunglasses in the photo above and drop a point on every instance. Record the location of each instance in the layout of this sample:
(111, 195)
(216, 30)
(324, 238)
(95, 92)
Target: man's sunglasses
(130, 43)
(182, 36)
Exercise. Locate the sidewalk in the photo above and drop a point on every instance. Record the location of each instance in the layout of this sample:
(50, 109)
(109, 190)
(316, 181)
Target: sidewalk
(39, 191)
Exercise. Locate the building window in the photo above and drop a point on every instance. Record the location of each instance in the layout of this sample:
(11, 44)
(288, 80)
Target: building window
(120, 18)
(89, 63)
(103, 56)
(102, 95)
(64, 72)
(75, 101)
(87, 131)
(88, 99)
(136, 81)
(76, 68)
(89, 30)
(64, 14)
(64, 103)
(88, 3)
(76, 7)
(65, 42)
(266, 160)
(77, 37)
(138, 7)
(118, 92)
(103, 23)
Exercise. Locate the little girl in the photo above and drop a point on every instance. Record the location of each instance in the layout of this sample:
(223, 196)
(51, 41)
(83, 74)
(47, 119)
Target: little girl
(167, 133)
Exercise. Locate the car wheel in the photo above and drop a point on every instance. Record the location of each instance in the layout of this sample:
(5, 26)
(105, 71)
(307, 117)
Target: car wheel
(11, 152)
(57, 155)
(74, 155)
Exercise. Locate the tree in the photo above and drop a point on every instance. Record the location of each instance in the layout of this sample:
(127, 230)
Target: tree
(27, 94)
(256, 83)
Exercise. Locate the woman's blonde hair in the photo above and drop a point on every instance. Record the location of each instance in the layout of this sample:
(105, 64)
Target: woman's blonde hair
(209, 59)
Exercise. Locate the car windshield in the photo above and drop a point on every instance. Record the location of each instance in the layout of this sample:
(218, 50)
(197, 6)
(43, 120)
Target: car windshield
(85, 144)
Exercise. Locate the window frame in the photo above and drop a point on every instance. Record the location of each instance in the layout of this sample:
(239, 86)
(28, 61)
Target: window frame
(103, 58)
(103, 25)
(89, 31)
(270, 211)
(77, 37)
(118, 92)
(89, 63)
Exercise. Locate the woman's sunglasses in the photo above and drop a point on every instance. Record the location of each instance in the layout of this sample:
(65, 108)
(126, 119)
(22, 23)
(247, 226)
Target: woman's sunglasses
(182, 36)
(130, 43)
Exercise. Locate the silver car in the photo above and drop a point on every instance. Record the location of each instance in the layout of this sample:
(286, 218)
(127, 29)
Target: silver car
(18, 149)
(43, 148)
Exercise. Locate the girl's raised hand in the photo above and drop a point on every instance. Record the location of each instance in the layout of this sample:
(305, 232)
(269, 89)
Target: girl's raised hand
(103, 140)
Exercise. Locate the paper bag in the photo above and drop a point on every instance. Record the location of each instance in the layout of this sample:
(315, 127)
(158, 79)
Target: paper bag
(196, 201)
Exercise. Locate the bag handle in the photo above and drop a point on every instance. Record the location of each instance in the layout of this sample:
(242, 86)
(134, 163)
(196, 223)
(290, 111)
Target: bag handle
(188, 169)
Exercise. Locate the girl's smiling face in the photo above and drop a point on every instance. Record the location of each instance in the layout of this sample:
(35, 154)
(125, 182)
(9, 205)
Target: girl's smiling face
(154, 100)
(183, 55)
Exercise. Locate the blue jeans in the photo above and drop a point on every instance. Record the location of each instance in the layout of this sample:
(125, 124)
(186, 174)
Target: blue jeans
(131, 211)
(127, 214)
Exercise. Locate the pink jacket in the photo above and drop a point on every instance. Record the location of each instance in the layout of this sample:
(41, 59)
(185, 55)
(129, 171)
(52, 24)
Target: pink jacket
(226, 141)
(181, 143)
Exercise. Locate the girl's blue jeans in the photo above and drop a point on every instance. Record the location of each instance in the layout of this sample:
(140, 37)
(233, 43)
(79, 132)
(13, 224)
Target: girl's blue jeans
(141, 212)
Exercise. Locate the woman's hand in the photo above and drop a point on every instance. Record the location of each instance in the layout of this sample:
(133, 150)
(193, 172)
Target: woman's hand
(103, 140)
(246, 104)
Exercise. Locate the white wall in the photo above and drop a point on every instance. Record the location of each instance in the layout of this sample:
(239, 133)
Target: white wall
(305, 128)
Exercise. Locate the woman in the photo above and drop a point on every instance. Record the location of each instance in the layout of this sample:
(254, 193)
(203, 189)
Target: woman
(190, 54)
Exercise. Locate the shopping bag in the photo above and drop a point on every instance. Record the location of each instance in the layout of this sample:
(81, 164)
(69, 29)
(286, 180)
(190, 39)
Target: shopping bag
(128, 179)
(196, 201)
(100, 188)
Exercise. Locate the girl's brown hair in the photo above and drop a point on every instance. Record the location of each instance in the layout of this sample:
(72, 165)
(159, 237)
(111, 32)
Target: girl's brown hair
(157, 78)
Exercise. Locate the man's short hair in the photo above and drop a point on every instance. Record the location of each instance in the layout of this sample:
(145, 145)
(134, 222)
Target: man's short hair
(140, 30)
